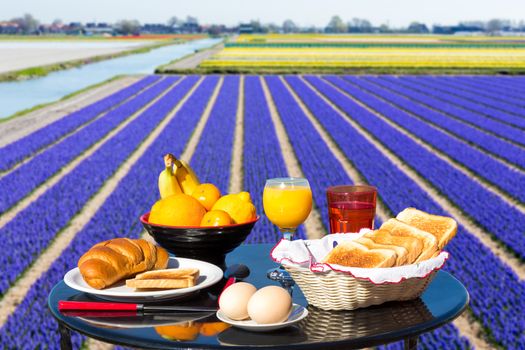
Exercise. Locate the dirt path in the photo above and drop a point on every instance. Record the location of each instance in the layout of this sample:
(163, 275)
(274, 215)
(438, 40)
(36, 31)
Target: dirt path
(18, 291)
(313, 225)
(237, 172)
(192, 61)
(18, 127)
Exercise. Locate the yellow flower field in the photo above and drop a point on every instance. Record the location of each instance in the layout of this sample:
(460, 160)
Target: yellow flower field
(368, 57)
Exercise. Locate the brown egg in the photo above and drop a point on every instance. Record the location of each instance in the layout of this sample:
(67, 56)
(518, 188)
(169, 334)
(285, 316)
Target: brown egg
(234, 300)
(270, 304)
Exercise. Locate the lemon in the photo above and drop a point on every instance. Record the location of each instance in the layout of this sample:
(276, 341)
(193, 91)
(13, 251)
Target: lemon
(177, 210)
(238, 206)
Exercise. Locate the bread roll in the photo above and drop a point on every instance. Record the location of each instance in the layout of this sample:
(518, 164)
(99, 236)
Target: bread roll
(111, 261)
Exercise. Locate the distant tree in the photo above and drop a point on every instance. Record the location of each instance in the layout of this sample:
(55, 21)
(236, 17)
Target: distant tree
(417, 28)
(127, 27)
(494, 26)
(358, 25)
(258, 27)
(27, 24)
(173, 21)
(289, 26)
(273, 28)
(384, 28)
(336, 25)
(57, 22)
(192, 20)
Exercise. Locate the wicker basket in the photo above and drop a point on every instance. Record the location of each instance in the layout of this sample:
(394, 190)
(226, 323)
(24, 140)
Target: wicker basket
(340, 291)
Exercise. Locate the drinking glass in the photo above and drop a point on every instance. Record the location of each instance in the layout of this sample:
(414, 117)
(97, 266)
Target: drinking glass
(287, 203)
(351, 207)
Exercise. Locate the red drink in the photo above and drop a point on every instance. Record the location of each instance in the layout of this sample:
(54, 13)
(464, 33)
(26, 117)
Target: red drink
(351, 208)
(351, 216)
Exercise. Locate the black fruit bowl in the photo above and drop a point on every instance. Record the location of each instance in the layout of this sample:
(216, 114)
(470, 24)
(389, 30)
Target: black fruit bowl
(210, 244)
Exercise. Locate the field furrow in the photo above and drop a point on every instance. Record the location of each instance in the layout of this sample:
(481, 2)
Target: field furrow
(509, 87)
(489, 169)
(118, 215)
(464, 100)
(499, 94)
(502, 102)
(213, 154)
(19, 150)
(26, 178)
(475, 119)
(473, 263)
(413, 102)
(32, 229)
(262, 158)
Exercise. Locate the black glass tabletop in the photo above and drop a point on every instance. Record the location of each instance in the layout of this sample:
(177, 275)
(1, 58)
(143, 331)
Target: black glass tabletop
(444, 299)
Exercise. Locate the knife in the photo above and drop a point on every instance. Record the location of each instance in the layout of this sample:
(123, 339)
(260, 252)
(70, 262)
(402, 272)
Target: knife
(66, 305)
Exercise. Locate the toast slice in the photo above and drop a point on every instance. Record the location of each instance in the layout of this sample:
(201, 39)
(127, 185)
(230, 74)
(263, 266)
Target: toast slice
(398, 228)
(442, 227)
(354, 254)
(401, 252)
(162, 283)
(414, 246)
(168, 274)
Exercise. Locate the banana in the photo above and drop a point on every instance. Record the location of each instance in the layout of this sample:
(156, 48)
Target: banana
(188, 181)
(168, 184)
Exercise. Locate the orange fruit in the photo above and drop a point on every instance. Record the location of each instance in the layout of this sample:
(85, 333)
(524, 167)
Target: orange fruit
(207, 195)
(177, 210)
(210, 329)
(188, 331)
(216, 218)
(239, 206)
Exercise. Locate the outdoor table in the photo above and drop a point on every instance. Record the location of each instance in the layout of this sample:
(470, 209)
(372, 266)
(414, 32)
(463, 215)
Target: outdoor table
(444, 300)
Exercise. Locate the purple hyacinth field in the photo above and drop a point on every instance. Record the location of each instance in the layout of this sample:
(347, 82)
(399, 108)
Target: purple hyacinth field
(448, 145)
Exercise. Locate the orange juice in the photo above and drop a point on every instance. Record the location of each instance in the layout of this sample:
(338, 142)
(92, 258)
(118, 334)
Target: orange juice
(287, 207)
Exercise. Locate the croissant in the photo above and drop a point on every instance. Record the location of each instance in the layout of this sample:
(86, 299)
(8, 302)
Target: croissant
(111, 261)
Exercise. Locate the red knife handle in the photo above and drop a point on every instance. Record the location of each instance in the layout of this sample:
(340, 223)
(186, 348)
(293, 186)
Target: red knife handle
(98, 314)
(229, 282)
(96, 306)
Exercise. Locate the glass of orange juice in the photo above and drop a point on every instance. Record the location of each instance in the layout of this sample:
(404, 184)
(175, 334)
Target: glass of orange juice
(287, 203)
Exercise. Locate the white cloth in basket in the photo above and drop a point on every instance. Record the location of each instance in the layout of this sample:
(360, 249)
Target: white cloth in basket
(296, 254)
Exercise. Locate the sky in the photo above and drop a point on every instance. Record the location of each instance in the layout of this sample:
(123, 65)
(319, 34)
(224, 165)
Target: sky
(303, 12)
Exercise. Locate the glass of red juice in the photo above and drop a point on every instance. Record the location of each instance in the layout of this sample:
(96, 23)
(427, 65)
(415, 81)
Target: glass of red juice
(351, 207)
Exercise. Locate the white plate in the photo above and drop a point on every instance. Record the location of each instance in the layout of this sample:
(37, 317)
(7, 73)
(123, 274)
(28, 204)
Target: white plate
(209, 275)
(298, 313)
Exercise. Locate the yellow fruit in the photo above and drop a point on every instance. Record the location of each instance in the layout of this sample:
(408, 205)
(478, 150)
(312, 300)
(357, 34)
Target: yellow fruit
(216, 218)
(184, 332)
(177, 210)
(238, 206)
(168, 183)
(207, 195)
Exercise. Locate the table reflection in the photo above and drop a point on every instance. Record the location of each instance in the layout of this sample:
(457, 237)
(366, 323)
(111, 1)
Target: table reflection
(335, 325)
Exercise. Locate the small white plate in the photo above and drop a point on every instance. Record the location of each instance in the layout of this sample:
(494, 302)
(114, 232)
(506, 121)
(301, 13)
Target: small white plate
(209, 275)
(298, 313)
